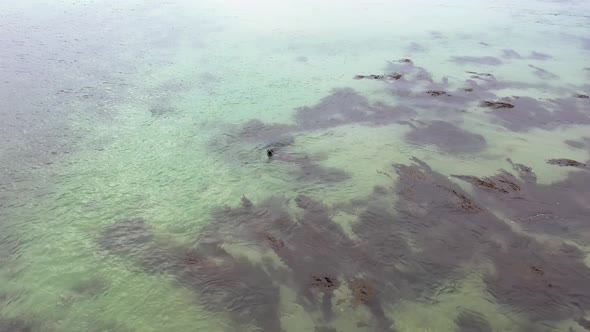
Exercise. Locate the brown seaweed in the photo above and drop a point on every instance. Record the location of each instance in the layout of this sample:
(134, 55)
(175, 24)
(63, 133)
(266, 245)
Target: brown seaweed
(477, 60)
(325, 329)
(583, 322)
(386, 77)
(91, 287)
(529, 276)
(539, 56)
(496, 104)
(567, 163)
(527, 113)
(414, 47)
(504, 182)
(447, 137)
(345, 106)
(511, 54)
(435, 93)
(525, 172)
(15, 325)
(472, 321)
(544, 74)
(559, 207)
(224, 283)
(583, 143)
(162, 111)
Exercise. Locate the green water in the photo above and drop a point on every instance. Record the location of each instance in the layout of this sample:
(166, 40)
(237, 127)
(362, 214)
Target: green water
(115, 110)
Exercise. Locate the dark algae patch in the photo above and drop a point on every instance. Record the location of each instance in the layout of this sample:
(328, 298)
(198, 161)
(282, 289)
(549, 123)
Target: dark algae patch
(542, 73)
(556, 208)
(399, 250)
(567, 163)
(476, 60)
(15, 325)
(540, 281)
(447, 137)
(223, 283)
(496, 104)
(583, 322)
(472, 321)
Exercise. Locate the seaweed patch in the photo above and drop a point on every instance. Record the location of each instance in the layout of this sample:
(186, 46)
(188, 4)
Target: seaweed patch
(567, 163)
(478, 60)
(542, 73)
(472, 321)
(447, 137)
(496, 104)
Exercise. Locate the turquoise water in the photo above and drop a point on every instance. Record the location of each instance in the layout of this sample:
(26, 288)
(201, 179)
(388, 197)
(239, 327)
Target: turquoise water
(137, 193)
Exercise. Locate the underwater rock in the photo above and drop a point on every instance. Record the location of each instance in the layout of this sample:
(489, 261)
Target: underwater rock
(567, 163)
(478, 60)
(472, 321)
(447, 137)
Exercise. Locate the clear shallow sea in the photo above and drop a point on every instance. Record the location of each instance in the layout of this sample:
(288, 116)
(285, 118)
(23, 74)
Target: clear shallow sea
(136, 193)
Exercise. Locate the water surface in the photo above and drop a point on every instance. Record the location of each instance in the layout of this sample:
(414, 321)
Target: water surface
(429, 171)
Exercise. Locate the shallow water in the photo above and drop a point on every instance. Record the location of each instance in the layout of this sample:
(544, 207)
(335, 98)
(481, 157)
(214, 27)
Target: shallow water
(429, 169)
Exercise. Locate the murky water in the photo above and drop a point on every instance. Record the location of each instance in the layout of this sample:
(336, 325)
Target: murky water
(295, 166)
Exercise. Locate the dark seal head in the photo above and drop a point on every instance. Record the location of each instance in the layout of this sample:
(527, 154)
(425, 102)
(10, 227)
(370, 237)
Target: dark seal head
(270, 152)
